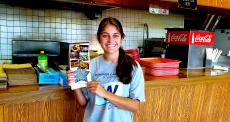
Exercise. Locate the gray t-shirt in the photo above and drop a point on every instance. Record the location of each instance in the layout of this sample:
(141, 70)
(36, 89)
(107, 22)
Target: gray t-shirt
(99, 109)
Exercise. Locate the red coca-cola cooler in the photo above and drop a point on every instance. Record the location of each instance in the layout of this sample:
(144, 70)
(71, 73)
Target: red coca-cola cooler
(188, 46)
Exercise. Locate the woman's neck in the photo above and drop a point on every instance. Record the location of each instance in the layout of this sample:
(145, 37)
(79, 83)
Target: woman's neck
(113, 58)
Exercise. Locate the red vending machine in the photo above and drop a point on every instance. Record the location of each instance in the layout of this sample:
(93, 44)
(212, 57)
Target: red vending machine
(188, 46)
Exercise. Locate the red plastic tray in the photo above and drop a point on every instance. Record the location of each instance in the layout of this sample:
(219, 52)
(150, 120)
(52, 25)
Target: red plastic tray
(159, 63)
(133, 53)
(162, 72)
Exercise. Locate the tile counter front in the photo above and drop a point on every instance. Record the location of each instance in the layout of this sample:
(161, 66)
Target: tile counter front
(175, 98)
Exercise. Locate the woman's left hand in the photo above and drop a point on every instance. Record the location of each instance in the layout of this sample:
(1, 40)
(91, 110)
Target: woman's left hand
(96, 88)
(121, 102)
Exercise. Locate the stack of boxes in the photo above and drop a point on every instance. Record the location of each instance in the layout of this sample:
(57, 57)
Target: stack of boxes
(3, 78)
(20, 74)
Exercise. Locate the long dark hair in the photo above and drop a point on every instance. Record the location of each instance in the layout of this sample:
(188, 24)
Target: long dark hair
(125, 62)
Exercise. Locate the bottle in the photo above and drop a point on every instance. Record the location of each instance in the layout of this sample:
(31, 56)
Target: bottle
(43, 61)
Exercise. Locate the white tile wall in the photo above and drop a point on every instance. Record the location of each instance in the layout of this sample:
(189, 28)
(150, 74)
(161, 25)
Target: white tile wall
(74, 26)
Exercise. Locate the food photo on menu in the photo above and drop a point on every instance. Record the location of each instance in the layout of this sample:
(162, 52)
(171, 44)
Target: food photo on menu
(79, 64)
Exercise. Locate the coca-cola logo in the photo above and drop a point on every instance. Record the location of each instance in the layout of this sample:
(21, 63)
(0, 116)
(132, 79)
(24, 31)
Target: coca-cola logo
(179, 37)
(203, 39)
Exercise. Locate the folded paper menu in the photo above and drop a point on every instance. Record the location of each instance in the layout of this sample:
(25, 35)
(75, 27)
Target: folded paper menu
(79, 64)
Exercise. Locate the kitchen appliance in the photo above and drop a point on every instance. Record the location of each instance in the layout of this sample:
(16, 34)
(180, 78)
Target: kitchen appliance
(153, 47)
(27, 51)
(188, 46)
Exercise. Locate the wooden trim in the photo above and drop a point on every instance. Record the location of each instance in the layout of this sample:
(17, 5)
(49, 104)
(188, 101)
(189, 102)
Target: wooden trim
(1, 113)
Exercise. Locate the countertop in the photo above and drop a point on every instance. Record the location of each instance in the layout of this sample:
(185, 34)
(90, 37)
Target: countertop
(193, 95)
(184, 73)
(188, 73)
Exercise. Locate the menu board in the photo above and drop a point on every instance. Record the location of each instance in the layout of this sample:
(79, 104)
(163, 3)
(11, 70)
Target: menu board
(79, 60)
(188, 4)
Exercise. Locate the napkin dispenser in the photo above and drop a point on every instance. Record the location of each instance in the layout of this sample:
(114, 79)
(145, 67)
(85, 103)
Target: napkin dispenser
(224, 61)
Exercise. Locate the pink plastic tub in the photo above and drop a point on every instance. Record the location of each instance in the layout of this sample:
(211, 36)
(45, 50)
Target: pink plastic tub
(159, 63)
(160, 66)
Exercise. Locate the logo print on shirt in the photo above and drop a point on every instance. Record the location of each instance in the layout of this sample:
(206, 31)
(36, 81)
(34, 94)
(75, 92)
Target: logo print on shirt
(113, 87)
(109, 88)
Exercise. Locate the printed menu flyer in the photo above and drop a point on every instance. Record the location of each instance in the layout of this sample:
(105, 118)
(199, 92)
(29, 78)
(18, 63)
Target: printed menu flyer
(79, 64)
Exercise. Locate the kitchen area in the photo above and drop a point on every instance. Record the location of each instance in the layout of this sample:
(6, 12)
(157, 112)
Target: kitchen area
(197, 91)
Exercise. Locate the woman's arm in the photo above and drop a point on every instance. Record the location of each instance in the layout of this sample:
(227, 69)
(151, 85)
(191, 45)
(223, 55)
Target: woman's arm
(120, 102)
(80, 97)
(78, 92)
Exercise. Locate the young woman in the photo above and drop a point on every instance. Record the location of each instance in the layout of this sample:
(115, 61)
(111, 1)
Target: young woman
(117, 85)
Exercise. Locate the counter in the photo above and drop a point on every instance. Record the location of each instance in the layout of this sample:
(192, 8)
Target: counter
(193, 95)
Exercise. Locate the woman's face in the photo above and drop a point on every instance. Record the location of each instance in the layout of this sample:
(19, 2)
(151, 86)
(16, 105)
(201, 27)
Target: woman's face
(110, 39)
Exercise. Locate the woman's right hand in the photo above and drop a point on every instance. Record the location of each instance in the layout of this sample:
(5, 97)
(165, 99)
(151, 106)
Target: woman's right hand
(80, 97)
(70, 76)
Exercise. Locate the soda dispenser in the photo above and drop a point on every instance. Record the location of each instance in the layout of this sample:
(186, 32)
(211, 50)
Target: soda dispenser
(188, 46)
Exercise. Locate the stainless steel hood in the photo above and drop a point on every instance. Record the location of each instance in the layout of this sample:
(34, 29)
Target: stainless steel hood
(201, 20)
(92, 10)
(83, 4)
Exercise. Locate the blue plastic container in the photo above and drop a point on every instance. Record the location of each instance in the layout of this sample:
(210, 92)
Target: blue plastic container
(49, 77)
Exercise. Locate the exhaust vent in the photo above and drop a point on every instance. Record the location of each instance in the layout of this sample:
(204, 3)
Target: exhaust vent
(92, 10)
(211, 22)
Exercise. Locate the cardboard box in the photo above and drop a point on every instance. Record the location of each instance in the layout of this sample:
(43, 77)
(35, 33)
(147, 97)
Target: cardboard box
(50, 77)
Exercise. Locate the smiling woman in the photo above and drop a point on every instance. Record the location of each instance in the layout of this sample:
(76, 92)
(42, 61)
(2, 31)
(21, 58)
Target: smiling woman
(117, 85)
(110, 39)
(110, 35)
